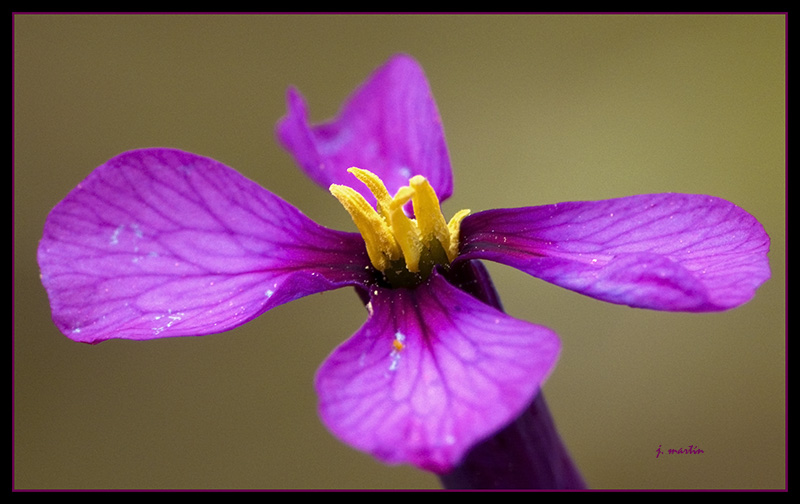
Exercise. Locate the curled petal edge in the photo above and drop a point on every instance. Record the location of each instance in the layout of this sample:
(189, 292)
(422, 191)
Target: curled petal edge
(674, 252)
(390, 125)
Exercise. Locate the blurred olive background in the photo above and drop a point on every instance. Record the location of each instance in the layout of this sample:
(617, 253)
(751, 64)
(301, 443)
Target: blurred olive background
(536, 109)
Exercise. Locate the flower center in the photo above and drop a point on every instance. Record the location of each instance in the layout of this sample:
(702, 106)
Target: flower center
(405, 250)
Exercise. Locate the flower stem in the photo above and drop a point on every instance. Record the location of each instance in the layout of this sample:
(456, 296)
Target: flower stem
(528, 453)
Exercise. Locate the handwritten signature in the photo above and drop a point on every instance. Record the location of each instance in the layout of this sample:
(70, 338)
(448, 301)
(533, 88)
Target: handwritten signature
(691, 450)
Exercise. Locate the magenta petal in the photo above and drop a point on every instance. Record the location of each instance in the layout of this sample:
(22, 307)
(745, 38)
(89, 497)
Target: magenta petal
(465, 370)
(660, 251)
(160, 242)
(389, 126)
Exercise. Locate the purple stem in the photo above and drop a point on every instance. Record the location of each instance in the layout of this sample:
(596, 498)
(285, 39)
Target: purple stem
(528, 453)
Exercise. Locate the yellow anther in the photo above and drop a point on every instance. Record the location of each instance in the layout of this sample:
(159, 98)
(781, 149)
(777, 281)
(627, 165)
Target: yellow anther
(381, 245)
(428, 213)
(404, 229)
(375, 186)
(454, 228)
(391, 236)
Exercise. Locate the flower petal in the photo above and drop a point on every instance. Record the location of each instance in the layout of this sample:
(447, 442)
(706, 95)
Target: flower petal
(389, 126)
(431, 372)
(661, 251)
(160, 242)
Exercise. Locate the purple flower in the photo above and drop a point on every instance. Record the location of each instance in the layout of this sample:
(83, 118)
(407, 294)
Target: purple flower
(160, 242)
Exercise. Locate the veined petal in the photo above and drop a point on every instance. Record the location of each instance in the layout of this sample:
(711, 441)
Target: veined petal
(160, 242)
(432, 371)
(661, 251)
(389, 126)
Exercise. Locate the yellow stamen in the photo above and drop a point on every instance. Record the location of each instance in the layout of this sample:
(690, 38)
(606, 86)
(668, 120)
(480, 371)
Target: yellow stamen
(391, 236)
(429, 215)
(375, 186)
(381, 245)
(454, 227)
(405, 231)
